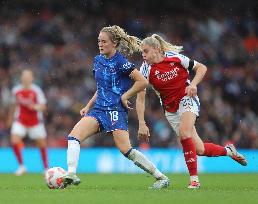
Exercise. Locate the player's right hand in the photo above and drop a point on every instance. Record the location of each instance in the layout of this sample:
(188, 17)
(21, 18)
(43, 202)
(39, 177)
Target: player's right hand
(84, 111)
(143, 133)
(9, 123)
(191, 90)
(126, 103)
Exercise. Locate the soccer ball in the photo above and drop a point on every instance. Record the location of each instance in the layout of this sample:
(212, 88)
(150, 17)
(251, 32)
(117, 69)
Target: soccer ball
(54, 177)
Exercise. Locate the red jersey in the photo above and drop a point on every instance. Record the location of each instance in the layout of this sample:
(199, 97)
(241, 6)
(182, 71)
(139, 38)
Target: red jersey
(23, 99)
(169, 78)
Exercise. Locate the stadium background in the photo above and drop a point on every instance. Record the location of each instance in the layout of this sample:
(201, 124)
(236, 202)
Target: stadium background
(58, 40)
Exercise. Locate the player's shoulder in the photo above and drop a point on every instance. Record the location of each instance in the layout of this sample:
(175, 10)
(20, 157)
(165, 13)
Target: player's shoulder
(176, 57)
(98, 57)
(120, 57)
(171, 54)
(123, 62)
(36, 87)
(17, 88)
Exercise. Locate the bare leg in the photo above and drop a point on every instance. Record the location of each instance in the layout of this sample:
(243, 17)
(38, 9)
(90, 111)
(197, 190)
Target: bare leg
(16, 142)
(42, 144)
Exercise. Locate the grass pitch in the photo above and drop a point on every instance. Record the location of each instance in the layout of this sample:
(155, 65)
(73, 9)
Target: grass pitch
(131, 188)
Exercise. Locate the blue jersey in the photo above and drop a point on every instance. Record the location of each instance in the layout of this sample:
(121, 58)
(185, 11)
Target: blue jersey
(113, 80)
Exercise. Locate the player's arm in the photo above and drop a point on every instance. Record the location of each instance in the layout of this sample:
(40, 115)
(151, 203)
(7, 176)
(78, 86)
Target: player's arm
(41, 102)
(200, 71)
(38, 107)
(143, 131)
(140, 83)
(10, 115)
(11, 109)
(89, 105)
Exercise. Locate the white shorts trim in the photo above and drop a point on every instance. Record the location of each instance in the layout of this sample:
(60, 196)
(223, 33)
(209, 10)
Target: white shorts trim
(34, 132)
(186, 104)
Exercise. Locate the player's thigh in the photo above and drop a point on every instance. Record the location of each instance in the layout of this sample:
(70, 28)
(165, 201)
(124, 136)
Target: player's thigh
(189, 108)
(37, 132)
(85, 128)
(41, 142)
(198, 142)
(186, 126)
(122, 141)
(18, 132)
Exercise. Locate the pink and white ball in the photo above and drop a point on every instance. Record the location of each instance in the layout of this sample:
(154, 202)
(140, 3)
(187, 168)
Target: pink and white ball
(54, 177)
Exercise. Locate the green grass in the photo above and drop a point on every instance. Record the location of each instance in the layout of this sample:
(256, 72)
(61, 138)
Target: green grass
(126, 189)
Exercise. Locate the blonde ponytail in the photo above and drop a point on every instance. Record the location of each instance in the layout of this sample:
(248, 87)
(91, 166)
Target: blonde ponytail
(157, 41)
(126, 44)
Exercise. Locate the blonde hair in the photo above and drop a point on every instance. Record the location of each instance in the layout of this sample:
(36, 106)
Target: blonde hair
(157, 41)
(125, 43)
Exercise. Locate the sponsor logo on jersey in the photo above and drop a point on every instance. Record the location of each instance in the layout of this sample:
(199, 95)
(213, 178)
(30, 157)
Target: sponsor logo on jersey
(166, 76)
(156, 72)
(24, 100)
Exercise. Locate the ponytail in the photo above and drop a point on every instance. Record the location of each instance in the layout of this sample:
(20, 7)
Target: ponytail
(157, 41)
(125, 43)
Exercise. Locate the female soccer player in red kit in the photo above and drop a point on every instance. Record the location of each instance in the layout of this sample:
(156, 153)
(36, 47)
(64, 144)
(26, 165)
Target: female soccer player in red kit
(168, 72)
(26, 116)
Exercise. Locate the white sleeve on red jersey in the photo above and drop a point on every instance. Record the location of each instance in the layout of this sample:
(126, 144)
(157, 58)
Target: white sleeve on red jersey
(145, 70)
(40, 95)
(15, 89)
(184, 60)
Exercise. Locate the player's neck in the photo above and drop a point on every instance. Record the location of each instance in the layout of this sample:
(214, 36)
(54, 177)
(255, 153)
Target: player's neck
(111, 54)
(158, 59)
(26, 86)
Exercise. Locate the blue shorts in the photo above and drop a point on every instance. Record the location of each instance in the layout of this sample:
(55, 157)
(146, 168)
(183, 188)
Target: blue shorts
(110, 120)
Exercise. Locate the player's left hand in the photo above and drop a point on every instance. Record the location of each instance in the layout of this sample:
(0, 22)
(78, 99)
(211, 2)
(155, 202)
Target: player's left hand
(126, 103)
(191, 90)
(143, 133)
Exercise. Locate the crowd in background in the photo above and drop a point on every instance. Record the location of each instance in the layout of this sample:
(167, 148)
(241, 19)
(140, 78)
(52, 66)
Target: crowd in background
(59, 41)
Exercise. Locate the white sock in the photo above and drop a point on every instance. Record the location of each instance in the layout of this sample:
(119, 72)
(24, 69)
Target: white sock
(22, 166)
(145, 164)
(194, 178)
(73, 153)
(158, 175)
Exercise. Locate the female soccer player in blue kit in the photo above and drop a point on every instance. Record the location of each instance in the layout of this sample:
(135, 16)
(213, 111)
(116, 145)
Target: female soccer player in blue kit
(108, 109)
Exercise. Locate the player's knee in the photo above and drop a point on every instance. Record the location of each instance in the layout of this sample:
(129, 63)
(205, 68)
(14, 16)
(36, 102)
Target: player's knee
(15, 140)
(76, 134)
(124, 150)
(41, 143)
(184, 133)
(200, 151)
